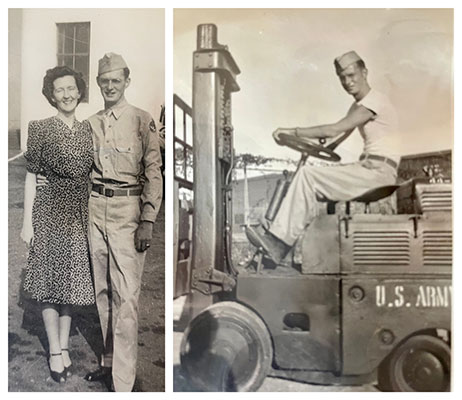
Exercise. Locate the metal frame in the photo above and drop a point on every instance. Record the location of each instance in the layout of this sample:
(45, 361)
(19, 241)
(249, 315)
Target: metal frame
(214, 79)
(182, 214)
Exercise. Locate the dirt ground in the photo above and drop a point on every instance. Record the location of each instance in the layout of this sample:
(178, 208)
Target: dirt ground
(27, 344)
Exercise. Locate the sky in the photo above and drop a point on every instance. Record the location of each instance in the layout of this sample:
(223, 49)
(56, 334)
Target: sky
(287, 76)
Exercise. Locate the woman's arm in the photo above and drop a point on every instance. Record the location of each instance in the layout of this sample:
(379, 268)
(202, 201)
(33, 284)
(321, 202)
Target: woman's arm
(27, 232)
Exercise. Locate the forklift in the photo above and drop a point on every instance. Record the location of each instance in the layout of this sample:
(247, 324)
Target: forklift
(370, 301)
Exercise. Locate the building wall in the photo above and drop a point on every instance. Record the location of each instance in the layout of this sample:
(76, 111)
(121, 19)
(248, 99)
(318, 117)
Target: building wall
(261, 190)
(137, 34)
(14, 70)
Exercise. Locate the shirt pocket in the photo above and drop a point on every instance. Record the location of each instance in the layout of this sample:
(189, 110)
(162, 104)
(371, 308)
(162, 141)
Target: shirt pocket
(128, 159)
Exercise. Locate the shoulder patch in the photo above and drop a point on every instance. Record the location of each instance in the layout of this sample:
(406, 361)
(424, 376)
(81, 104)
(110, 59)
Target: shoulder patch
(152, 126)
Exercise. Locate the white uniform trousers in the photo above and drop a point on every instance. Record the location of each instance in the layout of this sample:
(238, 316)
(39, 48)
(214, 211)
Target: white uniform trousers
(336, 183)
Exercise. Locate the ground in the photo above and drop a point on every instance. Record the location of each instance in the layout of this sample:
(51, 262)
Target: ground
(27, 344)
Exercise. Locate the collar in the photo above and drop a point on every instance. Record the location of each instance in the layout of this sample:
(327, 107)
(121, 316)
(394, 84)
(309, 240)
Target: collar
(118, 109)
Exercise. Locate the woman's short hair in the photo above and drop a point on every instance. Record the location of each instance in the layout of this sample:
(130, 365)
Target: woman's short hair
(58, 72)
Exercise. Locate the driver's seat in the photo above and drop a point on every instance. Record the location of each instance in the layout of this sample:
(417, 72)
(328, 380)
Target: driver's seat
(367, 197)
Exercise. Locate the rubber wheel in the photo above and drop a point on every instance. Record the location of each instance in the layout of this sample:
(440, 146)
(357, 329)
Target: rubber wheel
(421, 364)
(226, 348)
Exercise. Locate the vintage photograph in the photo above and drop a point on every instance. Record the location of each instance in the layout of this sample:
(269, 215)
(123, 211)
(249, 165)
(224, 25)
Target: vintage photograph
(312, 199)
(85, 200)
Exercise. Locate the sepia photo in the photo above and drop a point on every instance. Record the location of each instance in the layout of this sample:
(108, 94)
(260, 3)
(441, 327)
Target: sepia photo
(313, 199)
(85, 200)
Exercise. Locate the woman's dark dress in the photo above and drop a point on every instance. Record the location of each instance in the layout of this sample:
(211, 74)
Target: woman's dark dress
(58, 266)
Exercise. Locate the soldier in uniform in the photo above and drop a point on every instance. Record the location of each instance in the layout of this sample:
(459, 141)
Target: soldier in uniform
(376, 120)
(125, 198)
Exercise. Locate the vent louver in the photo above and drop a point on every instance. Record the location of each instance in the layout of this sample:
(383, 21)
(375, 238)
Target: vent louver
(434, 197)
(437, 248)
(384, 248)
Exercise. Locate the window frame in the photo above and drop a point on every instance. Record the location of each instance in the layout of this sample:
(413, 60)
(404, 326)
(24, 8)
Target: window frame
(61, 53)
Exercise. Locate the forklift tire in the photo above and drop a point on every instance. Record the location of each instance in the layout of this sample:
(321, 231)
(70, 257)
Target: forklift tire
(226, 348)
(421, 364)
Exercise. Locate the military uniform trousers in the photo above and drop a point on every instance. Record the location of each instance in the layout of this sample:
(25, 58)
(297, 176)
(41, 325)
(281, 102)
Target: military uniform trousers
(337, 183)
(117, 269)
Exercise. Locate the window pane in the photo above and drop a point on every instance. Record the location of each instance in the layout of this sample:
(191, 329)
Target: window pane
(189, 137)
(178, 123)
(69, 61)
(60, 38)
(81, 64)
(69, 38)
(82, 38)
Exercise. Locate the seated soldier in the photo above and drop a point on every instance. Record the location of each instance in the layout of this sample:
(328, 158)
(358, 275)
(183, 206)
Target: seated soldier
(377, 122)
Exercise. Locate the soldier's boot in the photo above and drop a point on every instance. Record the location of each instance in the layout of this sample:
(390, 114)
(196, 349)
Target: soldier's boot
(274, 248)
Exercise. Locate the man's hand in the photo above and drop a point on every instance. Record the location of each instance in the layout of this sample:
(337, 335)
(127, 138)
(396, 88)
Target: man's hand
(143, 236)
(287, 131)
(42, 180)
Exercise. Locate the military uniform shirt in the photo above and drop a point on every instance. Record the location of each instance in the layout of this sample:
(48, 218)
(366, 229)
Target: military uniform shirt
(126, 153)
(381, 133)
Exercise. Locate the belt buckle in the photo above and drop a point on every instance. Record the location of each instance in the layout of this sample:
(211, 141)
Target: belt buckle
(109, 192)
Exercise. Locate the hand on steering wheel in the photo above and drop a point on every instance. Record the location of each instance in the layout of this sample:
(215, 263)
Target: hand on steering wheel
(304, 145)
(285, 131)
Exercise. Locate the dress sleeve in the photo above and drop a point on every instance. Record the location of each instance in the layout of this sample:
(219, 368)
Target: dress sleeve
(33, 155)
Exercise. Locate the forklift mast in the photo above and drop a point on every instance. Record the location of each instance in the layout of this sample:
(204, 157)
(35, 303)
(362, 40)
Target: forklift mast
(214, 80)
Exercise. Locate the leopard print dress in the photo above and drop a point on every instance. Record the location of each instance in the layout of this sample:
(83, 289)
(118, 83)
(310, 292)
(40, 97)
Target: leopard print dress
(58, 265)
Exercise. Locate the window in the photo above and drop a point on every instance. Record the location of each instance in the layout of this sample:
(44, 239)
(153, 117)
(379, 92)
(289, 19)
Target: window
(74, 48)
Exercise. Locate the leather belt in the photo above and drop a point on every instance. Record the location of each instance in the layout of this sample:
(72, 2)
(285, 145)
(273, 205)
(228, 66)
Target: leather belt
(386, 160)
(108, 192)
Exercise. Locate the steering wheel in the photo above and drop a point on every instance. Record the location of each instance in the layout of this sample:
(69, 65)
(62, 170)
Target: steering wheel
(305, 146)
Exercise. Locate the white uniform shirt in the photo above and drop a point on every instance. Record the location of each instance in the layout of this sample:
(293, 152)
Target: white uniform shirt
(381, 133)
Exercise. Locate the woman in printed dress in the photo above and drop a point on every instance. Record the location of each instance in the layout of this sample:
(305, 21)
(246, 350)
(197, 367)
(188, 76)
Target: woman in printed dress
(56, 214)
